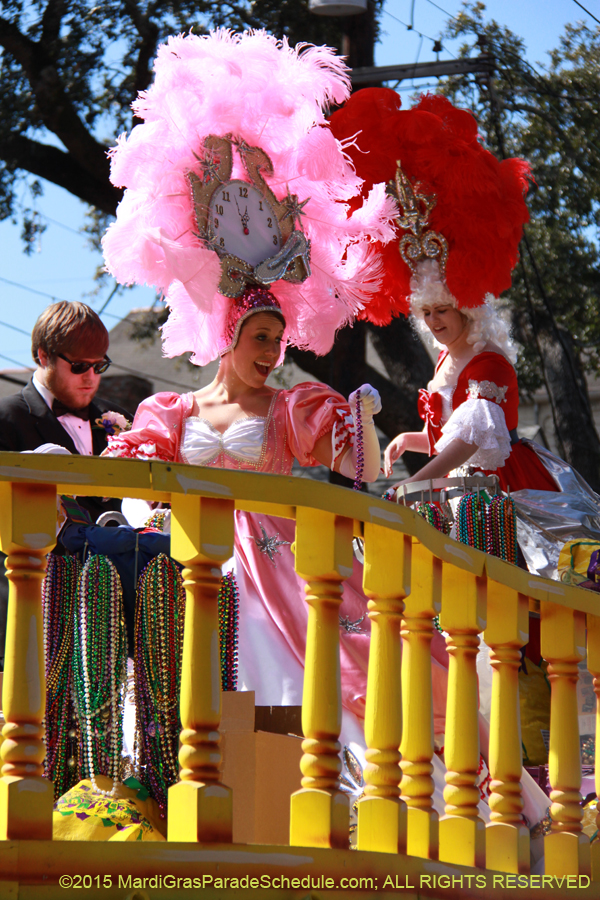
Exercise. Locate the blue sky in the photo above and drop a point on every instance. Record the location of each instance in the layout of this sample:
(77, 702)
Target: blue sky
(63, 265)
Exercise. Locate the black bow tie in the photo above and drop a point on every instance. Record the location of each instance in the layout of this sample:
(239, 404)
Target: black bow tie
(59, 409)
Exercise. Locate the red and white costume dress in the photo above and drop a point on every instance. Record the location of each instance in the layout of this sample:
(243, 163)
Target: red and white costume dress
(483, 409)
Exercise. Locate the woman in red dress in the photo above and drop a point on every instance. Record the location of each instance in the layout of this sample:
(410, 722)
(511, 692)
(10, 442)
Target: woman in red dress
(460, 219)
(470, 407)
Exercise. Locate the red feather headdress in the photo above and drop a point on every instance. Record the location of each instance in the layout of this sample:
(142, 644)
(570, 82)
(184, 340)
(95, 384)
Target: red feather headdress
(478, 201)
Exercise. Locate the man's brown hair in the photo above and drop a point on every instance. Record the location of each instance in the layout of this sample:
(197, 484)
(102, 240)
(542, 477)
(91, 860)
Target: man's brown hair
(72, 328)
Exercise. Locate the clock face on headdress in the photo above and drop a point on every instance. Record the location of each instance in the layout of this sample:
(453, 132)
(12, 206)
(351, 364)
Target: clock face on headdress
(253, 232)
(243, 224)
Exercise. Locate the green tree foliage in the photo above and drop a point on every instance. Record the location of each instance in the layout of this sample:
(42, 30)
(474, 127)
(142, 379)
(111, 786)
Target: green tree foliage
(550, 117)
(70, 70)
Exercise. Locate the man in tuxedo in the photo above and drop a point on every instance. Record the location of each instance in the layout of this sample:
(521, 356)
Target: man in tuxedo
(69, 343)
(57, 408)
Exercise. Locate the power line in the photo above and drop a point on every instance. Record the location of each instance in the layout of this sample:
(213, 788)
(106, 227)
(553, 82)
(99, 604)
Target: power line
(407, 26)
(15, 362)
(152, 377)
(33, 290)
(114, 364)
(60, 224)
(441, 9)
(109, 298)
(14, 328)
(591, 15)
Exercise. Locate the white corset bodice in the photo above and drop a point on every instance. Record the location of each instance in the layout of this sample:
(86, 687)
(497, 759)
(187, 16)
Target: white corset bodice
(202, 444)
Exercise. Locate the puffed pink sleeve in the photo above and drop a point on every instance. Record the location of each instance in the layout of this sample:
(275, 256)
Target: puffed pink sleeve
(156, 429)
(313, 410)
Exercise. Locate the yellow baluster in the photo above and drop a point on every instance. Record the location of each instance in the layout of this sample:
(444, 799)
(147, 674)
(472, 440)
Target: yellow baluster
(593, 662)
(27, 533)
(507, 837)
(319, 811)
(200, 807)
(386, 581)
(462, 831)
(421, 606)
(566, 848)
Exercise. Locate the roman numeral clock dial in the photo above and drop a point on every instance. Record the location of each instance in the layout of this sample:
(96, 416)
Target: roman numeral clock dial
(242, 223)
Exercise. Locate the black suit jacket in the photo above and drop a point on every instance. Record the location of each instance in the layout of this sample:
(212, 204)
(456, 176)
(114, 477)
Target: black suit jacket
(26, 422)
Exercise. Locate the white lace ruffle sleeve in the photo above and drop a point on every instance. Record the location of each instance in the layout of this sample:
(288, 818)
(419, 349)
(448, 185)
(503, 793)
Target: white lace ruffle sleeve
(480, 422)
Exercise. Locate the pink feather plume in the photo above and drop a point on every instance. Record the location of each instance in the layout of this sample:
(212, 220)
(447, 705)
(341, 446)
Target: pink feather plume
(270, 95)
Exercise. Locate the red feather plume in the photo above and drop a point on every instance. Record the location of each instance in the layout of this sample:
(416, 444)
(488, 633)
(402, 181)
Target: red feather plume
(480, 206)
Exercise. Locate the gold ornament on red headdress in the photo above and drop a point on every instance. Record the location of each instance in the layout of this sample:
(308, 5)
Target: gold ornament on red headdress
(415, 207)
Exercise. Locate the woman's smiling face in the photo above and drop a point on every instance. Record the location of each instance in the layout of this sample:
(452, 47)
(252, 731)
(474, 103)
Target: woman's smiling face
(445, 322)
(258, 348)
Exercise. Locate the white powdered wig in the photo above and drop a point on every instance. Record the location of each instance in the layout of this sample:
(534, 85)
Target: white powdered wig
(487, 323)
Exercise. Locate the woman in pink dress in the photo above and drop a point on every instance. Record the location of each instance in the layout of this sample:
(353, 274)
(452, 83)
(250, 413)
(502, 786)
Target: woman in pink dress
(236, 209)
(238, 422)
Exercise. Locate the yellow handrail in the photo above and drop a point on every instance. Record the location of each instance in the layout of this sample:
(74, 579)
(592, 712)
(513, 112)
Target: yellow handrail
(478, 593)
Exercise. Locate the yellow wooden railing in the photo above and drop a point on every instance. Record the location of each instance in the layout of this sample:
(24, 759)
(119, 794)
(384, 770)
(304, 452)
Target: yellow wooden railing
(411, 573)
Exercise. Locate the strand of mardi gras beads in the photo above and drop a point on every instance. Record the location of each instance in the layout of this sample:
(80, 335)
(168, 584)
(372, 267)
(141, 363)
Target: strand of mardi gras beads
(470, 517)
(434, 515)
(360, 447)
(501, 534)
(59, 596)
(228, 631)
(100, 670)
(158, 650)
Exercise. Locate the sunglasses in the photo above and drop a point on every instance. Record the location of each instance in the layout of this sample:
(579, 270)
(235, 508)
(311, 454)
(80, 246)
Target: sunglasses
(78, 368)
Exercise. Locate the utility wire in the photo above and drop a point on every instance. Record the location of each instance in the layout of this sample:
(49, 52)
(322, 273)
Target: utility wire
(15, 362)
(587, 11)
(31, 290)
(109, 298)
(14, 328)
(445, 11)
(60, 224)
(152, 377)
(407, 26)
(114, 364)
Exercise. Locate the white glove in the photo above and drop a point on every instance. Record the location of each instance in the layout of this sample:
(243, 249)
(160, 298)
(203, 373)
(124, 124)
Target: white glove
(370, 402)
(370, 405)
(50, 448)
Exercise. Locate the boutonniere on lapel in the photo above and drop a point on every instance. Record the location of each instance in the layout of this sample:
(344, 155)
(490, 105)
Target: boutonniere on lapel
(113, 423)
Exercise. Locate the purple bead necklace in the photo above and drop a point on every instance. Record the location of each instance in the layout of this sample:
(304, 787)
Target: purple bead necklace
(360, 454)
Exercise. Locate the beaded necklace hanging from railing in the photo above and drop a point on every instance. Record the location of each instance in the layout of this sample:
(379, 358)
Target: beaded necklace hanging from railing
(159, 621)
(100, 670)
(59, 598)
(228, 631)
(86, 651)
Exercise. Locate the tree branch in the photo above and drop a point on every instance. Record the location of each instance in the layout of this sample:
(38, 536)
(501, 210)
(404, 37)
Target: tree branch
(51, 20)
(61, 169)
(52, 101)
(148, 32)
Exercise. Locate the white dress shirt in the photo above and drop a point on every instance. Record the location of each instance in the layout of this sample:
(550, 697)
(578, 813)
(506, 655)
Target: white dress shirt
(78, 429)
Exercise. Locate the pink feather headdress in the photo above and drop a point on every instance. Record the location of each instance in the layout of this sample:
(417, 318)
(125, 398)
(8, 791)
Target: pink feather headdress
(255, 92)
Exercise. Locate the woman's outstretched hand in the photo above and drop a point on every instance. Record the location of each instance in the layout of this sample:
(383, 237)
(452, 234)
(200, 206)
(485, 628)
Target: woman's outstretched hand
(393, 452)
(370, 401)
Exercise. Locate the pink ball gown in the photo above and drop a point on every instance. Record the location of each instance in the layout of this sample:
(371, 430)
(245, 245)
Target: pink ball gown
(273, 613)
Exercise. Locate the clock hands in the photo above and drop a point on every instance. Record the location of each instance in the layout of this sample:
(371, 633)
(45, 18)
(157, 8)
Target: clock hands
(244, 217)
